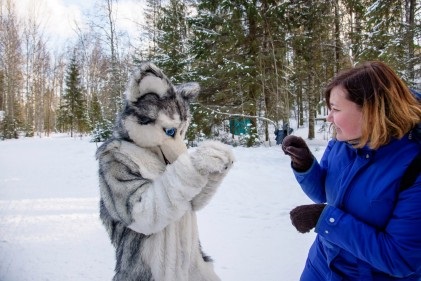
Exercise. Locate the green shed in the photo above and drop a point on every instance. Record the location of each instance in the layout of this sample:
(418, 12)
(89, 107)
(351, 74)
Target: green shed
(240, 126)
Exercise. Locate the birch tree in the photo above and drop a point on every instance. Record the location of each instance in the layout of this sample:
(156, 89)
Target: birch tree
(10, 68)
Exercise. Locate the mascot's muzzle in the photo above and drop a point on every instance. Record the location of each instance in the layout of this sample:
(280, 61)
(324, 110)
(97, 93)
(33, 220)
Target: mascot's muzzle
(172, 148)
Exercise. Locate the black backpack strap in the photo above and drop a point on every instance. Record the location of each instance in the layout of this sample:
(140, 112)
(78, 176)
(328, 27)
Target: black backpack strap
(414, 169)
(411, 173)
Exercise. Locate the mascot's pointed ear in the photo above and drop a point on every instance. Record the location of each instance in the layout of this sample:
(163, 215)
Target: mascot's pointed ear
(147, 79)
(188, 91)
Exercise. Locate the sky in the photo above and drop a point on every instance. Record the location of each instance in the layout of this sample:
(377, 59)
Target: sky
(60, 18)
(50, 227)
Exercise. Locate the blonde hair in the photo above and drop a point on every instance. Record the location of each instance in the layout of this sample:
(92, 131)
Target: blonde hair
(389, 108)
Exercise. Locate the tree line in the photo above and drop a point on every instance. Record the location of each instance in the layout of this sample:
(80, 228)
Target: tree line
(262, 61)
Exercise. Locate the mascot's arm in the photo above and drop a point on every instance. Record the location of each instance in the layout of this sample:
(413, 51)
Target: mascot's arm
(168, 197)
(143, 205)
(187, 184)
(221, 154)
(203, 198)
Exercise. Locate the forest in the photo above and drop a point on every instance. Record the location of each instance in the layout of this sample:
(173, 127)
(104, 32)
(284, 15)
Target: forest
(259, 62)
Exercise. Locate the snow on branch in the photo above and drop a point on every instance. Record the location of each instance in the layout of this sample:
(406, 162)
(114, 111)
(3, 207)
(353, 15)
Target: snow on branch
(238, 115)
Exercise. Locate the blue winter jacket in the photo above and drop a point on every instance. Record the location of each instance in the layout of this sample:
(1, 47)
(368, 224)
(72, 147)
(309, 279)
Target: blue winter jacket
(368, 230)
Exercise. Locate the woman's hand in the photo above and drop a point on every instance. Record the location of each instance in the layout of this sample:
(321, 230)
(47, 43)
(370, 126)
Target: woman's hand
(305, 217)
(300, 154)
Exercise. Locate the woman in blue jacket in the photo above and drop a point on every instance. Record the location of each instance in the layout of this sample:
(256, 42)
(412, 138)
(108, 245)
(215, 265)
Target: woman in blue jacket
(366, 228)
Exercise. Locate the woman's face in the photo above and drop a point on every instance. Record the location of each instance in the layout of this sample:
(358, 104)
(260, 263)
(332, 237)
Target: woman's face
(345, 115)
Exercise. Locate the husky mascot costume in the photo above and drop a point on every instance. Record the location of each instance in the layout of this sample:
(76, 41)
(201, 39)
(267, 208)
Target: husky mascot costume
(150, 186)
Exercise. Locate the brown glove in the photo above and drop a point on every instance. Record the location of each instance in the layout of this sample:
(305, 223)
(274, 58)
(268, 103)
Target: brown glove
(305, 217)
(299, 152)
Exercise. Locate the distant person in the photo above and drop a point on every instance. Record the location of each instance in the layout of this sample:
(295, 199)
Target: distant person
(369, 228)
(281, 134)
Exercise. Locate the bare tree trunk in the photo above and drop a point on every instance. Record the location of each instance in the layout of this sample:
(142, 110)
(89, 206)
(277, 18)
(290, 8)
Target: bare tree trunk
(300, 104)
(116, 83)
(410, 23)
(312, 106)
(254, 53)
(337, 51)
(11, 60)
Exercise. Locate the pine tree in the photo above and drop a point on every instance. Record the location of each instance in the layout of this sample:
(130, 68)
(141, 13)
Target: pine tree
(101, 127)
(152, 16)
(226, 47)
(390, 33)
(316, 51)
(73, 109)
(172, 49)
(96, 115)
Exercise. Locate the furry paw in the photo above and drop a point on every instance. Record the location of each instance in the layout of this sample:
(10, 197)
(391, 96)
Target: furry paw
(212, 157)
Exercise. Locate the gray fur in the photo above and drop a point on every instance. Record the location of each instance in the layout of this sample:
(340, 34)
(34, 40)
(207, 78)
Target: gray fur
(148, 207)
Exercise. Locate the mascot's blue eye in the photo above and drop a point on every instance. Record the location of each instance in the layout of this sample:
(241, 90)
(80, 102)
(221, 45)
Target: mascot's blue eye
(170, 132)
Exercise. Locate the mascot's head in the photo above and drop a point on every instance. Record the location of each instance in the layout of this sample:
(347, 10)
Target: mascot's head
(156, 113)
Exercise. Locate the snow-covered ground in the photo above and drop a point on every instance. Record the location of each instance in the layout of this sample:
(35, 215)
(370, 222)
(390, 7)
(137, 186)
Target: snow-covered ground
(50, 230)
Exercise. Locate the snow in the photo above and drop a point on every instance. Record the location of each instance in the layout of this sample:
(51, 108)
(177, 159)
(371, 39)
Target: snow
(50, 227)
